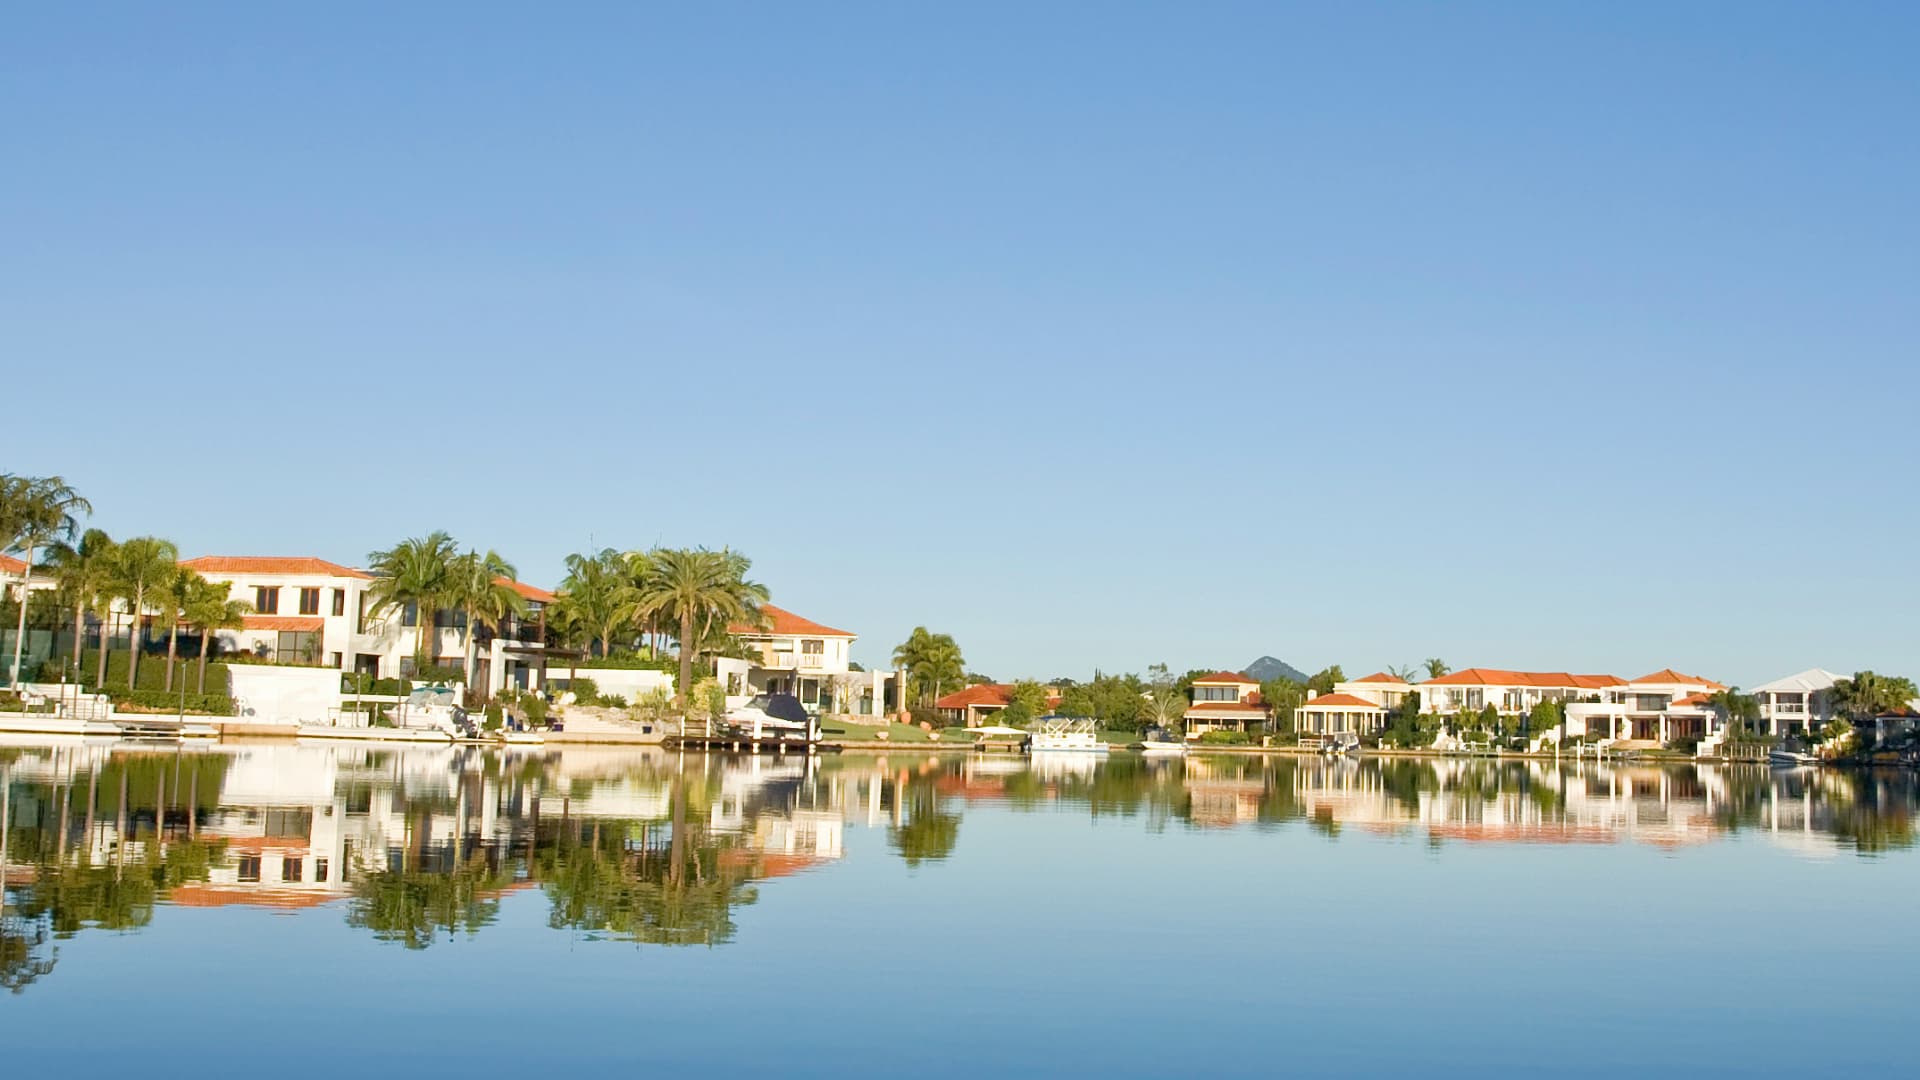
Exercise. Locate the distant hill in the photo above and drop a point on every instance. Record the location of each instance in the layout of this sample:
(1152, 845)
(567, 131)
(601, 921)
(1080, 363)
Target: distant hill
(1269, 668)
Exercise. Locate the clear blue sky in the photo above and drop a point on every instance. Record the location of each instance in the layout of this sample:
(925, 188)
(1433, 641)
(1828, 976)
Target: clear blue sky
(1526, 335)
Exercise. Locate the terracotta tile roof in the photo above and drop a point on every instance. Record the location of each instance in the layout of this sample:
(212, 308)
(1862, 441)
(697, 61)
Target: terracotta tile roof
(283, 622)
(1381, 676)
(981, 694)
(785, 623)
(1501, 677)
(1338, 701)
(526, 591)
(204, 895)
(11, 565)
(1669, 676)
(271, 564)
(1232, 677)
(1695, 699)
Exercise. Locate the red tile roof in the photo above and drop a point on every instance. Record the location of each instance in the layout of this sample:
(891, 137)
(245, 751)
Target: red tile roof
(1339, 701)
(526, 591)
(11, 565)
(1501, 677)
(1232, 677)
(1381, 676)
(283, 622)
(271, 564)
(786, 624)
(1668, 675)
(982, 694)
(1695, 699)
(199, 894)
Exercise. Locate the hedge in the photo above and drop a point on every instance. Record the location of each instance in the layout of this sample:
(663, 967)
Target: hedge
(153, 672)
(163, 701)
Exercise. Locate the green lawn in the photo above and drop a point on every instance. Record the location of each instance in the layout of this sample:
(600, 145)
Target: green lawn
(838, 730)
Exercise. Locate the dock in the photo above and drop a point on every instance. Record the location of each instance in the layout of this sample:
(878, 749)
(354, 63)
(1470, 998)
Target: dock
(747, 744)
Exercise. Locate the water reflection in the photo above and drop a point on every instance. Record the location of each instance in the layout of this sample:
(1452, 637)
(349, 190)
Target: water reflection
(416, 845)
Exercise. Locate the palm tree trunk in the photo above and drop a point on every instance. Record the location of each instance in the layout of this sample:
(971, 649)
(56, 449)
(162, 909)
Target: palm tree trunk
(686, 658)
(79, 632)
(133, 639)
(106, 639)
(173, 644)
(206, 642)
(466, 651)
(20, 637)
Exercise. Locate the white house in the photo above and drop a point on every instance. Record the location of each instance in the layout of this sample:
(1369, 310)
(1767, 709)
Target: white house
(1659, 707)
(811, 661)
(1511, 693)
(1224, 701)
(1797, 703)
(1339, 713)
(314, 612)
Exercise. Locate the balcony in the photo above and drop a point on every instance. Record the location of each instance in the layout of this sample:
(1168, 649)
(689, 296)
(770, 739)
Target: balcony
(786, 661)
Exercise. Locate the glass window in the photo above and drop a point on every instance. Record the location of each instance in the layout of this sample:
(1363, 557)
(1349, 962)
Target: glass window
(320, 870)
(249, 868)
(339, 601)
(290, 869)
(266, 599)
(812, 647)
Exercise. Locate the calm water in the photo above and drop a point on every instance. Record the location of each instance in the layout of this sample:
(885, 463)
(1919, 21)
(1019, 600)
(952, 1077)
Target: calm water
(298, 910)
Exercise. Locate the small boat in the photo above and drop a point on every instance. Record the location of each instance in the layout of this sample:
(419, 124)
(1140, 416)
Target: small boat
(1056, 733)
(1345, 742)
(773, 715)
(1789, 759)
(1163, 748)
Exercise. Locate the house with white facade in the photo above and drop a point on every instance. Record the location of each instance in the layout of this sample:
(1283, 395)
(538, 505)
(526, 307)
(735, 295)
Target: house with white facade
(810, 660)
(1511, 693)
(313, 612)
(1339, 713)
(1797, 704)
(1660, 707)
(1224, 701)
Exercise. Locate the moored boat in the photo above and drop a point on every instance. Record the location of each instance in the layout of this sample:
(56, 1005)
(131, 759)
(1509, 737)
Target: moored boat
(1056, 733)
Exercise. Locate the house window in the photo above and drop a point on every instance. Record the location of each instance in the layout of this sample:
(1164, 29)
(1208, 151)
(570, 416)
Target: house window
(320, 870)
(1649, 702)
(266, 600)
(1215, 693)
(290, 869)
(812, 647)
(309, 601)
(298, 647)
(249, 868)
(339, 601)
(1476, 699)
(410, 615)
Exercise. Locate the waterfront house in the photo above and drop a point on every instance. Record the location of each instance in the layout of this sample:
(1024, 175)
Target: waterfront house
(1511, 693)
(1796, 704)
(812, 661)
(1380, 688)
(313, 612)
(1224, 701)
(1339, 714)
(1660, 707)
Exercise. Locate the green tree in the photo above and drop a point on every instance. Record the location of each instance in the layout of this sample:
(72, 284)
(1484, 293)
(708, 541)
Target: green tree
(1740, 713)
(699, 589)
(1025, 700)
(1326, 679)
(84, 572)
(932, 662)
(1436, 667)
(1165, 706)
(35, 512)
(480, 587)
(210, 609)
(143, 567)
(1869, 694)
(414, 572)
(597, 593)
(1544, 717)
(1283, 696)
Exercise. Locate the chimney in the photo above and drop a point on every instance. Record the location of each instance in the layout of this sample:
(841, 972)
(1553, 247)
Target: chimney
(1311, 694)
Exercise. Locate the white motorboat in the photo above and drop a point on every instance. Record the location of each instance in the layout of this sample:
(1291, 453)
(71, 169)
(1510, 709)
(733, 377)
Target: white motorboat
(1163, 748)
(1056, 733)
(777, 715)
(1789, 759)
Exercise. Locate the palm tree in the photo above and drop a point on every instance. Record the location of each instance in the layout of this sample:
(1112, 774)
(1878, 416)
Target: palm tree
(478, 585)
(1739, 710)
(414, 571)
(599, 593)
(210, 609)
(143, 566)
(1436, 667)
(1406, 673)
(175, 592)
(35, 512)
(85, 574)
(931, 660)
(700, 589)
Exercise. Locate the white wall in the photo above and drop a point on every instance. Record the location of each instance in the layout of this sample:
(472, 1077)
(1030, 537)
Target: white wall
(284, 695)
(630, 683)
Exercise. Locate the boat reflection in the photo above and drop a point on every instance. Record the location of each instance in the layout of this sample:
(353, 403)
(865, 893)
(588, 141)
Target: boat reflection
(419, 843)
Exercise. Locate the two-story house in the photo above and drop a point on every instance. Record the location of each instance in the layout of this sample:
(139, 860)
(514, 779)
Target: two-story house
(1796, 704)
(810, 660)
(1224, 701)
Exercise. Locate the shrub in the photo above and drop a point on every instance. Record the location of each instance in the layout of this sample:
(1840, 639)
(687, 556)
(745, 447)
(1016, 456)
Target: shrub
(153, 671)
(362, 684)
(926, 714)
(161, 701)
(585, 691)
(1226, 738)
(440, 675)
(492, 718)
(613, 701)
